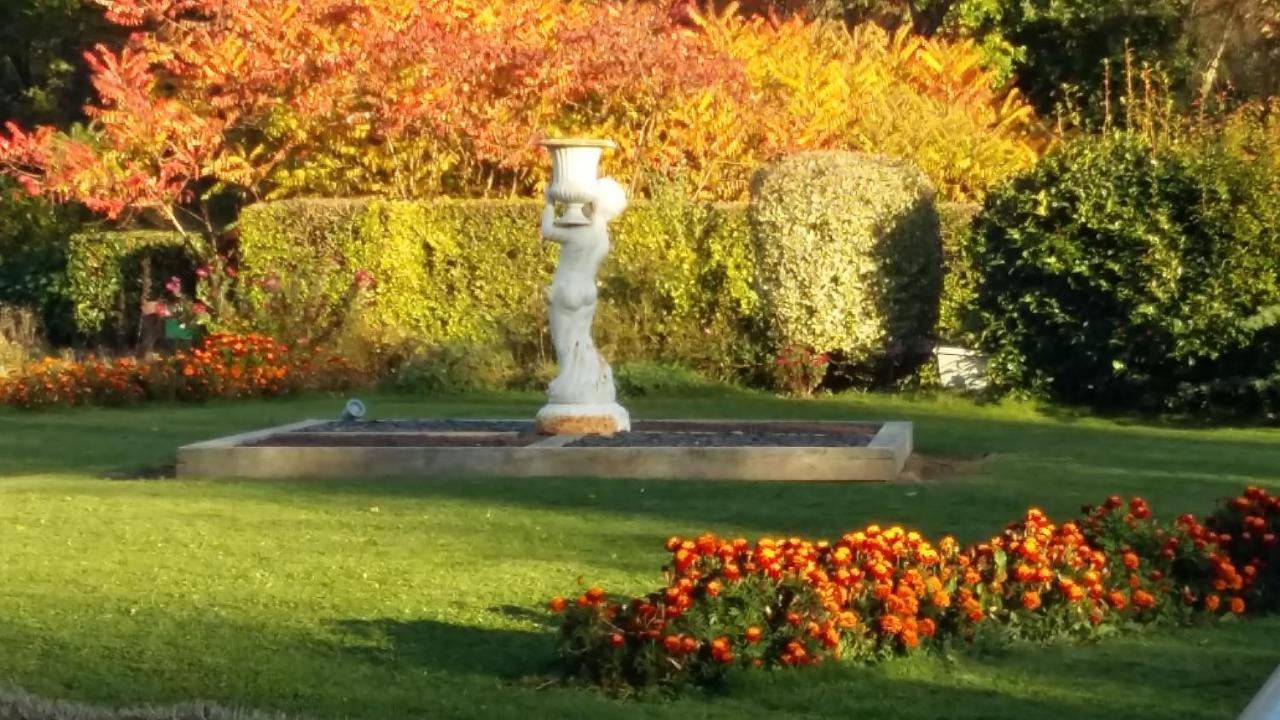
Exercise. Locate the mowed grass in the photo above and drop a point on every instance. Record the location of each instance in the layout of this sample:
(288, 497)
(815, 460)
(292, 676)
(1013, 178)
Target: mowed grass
(425, 599)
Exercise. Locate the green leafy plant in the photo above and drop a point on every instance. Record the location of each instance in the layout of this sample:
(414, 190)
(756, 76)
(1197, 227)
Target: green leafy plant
(1118, 273)
(799, 371)
(849, 254)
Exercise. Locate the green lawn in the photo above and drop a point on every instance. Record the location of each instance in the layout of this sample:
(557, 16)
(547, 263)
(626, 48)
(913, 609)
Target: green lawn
(425, 600)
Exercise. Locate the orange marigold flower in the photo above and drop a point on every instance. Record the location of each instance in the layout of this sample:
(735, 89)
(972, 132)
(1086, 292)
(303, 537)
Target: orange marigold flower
(617, 640)
(890, 625)
(1212, 602)
(1131, 560)
(928, 627)
(910, 639)
(1030, 600)
(1144, 599)
(753, 634)
(1237, 606)
(558, 604)
(1117, 600)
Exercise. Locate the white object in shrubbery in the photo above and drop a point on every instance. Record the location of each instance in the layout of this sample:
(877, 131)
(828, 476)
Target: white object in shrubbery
(961, 369)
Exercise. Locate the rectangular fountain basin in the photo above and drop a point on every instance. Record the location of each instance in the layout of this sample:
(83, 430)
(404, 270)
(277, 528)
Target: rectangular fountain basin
(425, 450)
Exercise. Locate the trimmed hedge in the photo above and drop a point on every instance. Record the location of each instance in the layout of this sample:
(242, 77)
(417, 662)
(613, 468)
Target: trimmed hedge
(849, 254)
(106, 273)
(678, 285)
(1118, 274)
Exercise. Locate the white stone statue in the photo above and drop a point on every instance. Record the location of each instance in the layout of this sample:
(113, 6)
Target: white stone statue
(582, 398)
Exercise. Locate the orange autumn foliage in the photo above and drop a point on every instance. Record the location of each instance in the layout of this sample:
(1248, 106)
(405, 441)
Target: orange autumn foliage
(426, 98)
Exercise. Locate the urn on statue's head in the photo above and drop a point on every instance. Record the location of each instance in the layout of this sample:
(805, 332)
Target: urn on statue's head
(575, 165)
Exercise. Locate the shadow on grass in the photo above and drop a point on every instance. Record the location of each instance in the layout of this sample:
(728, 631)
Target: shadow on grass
(457, 649)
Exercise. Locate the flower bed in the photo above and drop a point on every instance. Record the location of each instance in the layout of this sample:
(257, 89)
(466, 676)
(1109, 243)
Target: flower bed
(221, 366)
(880, 592)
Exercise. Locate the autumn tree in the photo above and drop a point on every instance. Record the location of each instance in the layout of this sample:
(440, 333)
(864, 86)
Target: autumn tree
(247, 99)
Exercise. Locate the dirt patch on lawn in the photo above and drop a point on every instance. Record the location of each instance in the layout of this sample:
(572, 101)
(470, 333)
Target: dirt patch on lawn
(922, 468)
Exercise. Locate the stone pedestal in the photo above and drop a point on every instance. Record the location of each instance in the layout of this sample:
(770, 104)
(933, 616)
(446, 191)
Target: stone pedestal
(603, 419)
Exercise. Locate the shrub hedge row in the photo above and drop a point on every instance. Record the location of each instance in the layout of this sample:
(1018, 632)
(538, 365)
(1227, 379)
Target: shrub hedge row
(682, 284)
(679, 283)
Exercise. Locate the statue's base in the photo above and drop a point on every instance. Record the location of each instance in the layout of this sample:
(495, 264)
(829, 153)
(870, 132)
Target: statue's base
(558, 419)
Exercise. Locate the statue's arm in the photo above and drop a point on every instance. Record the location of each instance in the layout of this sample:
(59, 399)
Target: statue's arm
(549, 230)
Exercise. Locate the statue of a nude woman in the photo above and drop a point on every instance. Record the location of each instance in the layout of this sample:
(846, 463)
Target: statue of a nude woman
(582, 398)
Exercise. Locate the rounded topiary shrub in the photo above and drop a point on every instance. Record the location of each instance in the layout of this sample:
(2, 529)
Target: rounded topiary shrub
(849, 254)
(1116, 274)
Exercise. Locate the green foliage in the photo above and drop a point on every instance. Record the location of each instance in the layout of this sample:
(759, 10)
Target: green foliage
(452, 369)
(1067, 42)
(1119, 274)
(849, 255)
(404, 275)
(956, 315)
(110, 273)
(648, 378)
(298, 265)
(43, 77)
(33, 247)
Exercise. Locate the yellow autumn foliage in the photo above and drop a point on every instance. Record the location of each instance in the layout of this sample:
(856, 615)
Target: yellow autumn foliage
(703, 100)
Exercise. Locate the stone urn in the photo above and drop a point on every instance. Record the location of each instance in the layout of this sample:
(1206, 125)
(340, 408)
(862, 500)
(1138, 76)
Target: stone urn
(575, 168)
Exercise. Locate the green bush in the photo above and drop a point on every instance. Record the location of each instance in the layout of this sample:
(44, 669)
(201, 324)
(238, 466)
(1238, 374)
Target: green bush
(110, 272)
(849, 256)
(33, 258)
(637, 379)
(452, 369)
(403, 276)
(1118, 274)
(957, 321)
